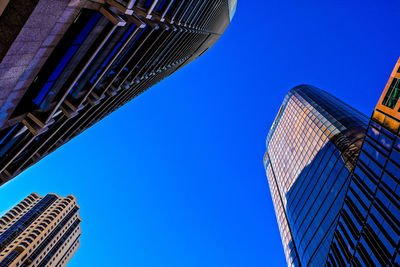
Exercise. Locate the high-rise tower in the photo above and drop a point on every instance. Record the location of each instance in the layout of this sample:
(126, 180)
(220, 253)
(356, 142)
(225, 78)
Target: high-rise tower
(312, 149)
(66, 64)
(40, 231)
(368, 232)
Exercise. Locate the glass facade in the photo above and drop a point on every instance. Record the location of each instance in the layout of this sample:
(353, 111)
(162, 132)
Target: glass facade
(312, 149)
(232, 8)
(393, 94)
(368, 231)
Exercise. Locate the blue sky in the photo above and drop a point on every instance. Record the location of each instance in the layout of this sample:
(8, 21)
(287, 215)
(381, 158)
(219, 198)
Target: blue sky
(175, 177)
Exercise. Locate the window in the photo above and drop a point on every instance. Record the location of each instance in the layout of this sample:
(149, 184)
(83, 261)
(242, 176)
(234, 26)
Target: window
(393, 94)
(45, 81)
(158, 6)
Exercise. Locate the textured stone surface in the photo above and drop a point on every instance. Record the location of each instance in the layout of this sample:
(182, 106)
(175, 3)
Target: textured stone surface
(29, 74)
(2, 101)
(17, 60)
(12, 20)
(68, 15)
(5, 84)
(27, 47)
(21, 85)
(27, 42)
(59, 28)
(9, 73)
(51, 40)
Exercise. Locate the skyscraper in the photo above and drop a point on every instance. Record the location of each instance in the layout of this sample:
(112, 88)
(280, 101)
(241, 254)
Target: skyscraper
(65, 65)
(312, 149)
(40, 231)
(368, 232)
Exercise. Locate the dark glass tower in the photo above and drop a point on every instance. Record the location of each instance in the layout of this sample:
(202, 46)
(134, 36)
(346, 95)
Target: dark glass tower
(368, 232)
(312, 149)
(65, 65)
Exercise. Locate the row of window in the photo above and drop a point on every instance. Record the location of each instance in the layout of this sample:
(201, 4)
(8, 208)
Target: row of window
(369, 228)
(87, 17)
(393, 94)
(6, 222)
(65, 238)
(18, 227)
(309, 136)
(284, 229)
(69, 254)
(47, 241)
(73, 39)
(52, 70)
(149, 56)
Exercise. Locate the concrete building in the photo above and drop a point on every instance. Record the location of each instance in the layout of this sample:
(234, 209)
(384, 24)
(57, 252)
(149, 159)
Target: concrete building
(40, 231)
(66, 64)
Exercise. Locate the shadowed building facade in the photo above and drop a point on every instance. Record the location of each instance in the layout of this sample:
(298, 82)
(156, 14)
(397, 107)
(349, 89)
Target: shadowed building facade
(312, 148)
(368, 232)
(66, 64)
(40, 231)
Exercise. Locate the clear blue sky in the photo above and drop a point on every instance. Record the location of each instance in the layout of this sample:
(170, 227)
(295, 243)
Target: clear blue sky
(175, 178)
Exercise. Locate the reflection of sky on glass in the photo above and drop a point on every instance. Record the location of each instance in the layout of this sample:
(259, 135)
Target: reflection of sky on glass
(290, 151)
(232, 8)
(308, 119)
(176, 175)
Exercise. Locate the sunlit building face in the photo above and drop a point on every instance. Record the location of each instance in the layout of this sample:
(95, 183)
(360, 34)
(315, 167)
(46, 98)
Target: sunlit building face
(312, 148)
(40, 231)
(368, 230)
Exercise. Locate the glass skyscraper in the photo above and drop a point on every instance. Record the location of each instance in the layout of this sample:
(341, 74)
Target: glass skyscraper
(335, 178)
(312, 149)
(368, 231)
